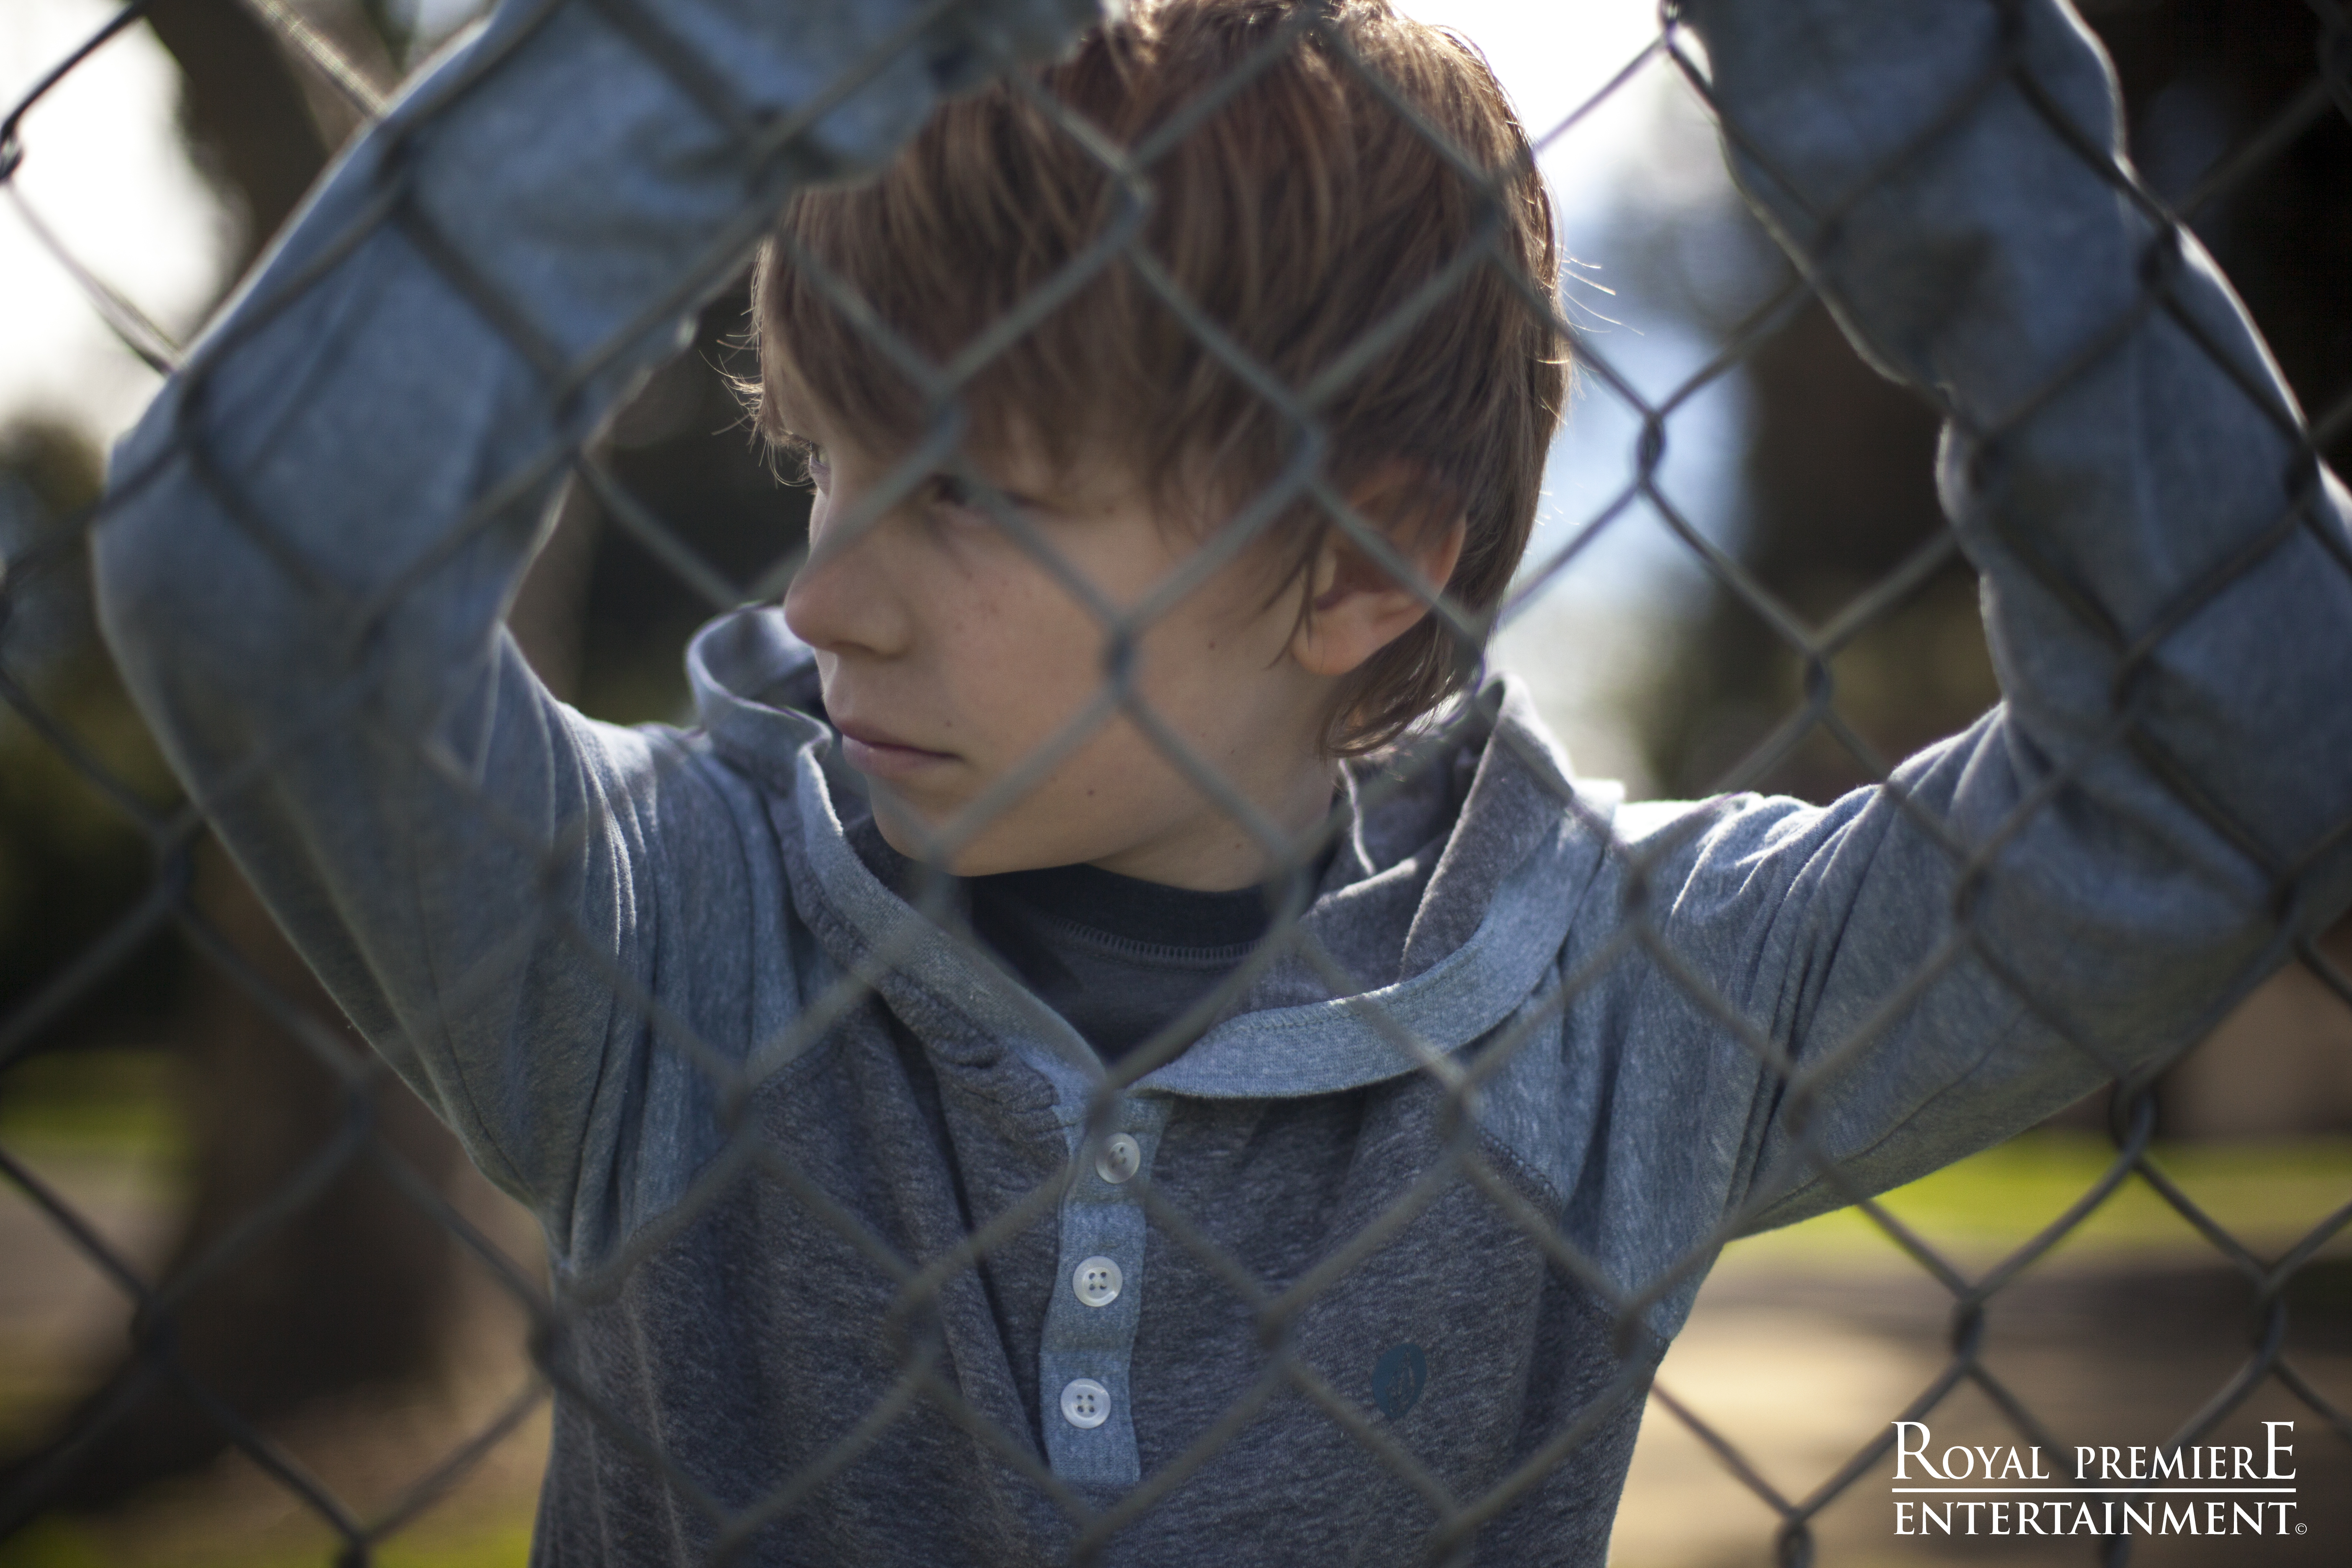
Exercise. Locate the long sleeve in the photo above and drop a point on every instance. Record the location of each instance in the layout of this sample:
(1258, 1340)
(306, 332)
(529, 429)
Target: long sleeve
(311, 538)
(2075, 886)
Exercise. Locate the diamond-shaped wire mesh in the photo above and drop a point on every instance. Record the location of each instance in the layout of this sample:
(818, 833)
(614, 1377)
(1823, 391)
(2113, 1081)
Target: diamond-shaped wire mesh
(1368, 1243)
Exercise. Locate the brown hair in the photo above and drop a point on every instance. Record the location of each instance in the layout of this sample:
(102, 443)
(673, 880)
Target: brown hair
(1299, 212)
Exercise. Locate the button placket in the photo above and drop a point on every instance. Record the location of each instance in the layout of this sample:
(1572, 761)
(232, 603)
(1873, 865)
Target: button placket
(1090, 1321)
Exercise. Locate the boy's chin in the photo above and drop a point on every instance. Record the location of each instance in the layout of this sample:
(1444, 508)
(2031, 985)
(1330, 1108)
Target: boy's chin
(906, 833)
(922, 841)
(994, 848)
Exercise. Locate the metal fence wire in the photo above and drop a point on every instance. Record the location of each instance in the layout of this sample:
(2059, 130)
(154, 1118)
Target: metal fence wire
(763, 104)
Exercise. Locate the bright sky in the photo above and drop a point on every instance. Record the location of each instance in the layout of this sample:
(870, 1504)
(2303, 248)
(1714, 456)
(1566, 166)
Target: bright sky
(1552, 56)
(104, 170)
(1589, 645)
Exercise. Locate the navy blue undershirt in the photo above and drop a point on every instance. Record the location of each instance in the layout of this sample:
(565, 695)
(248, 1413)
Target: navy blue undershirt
(1118, 957)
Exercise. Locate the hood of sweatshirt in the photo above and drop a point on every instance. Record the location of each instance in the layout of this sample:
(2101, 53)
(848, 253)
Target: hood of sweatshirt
(1459, 872)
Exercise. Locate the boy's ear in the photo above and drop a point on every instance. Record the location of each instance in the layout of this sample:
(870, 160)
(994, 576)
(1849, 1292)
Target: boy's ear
(1355, 608)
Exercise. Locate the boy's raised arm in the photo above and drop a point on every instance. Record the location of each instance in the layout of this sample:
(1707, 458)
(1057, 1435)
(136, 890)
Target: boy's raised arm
(316, 528)
(2078, 883)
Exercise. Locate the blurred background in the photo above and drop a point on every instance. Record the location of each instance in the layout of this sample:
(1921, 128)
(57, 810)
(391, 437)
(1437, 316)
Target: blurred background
(170, 1075)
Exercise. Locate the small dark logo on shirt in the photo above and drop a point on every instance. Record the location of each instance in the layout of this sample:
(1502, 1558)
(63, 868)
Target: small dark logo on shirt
(1398, 1379)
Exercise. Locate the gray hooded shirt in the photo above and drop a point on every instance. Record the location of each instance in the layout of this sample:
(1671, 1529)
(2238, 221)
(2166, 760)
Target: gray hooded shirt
(860, 1252)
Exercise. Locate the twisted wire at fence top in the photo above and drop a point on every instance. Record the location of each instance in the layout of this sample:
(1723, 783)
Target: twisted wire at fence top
(569, 379)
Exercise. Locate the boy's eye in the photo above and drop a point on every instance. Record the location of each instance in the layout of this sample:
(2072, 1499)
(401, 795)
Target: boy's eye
(965, 501)
(958, 499)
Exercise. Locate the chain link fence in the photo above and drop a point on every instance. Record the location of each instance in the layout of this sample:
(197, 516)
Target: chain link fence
(823, 99)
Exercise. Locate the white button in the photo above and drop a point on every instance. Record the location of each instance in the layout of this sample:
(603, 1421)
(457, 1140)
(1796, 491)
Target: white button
(1097, 1281)
(1120, 1160)
(1085, 1403)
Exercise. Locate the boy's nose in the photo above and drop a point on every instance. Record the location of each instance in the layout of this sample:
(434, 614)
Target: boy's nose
(844, 598)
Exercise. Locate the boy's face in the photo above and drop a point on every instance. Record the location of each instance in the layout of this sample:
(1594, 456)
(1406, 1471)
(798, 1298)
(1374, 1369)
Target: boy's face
(958, 666)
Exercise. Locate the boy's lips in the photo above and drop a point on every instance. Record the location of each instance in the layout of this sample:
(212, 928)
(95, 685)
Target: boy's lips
(878, 751)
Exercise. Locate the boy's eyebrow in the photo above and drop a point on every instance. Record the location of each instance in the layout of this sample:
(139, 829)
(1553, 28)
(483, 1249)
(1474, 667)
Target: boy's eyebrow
(790, 408)
(789, 415)
(793, 428)
(1037, 485)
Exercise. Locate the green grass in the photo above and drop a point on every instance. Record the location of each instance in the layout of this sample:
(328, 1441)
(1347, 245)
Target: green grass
(52, 1543)
(497, 1546)
(492, 1542)
(116, 1102)
(2268, 1195)
(119, 1104)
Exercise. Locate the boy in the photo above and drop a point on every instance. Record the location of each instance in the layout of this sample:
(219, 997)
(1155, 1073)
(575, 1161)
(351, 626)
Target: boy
(1101, 1212)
